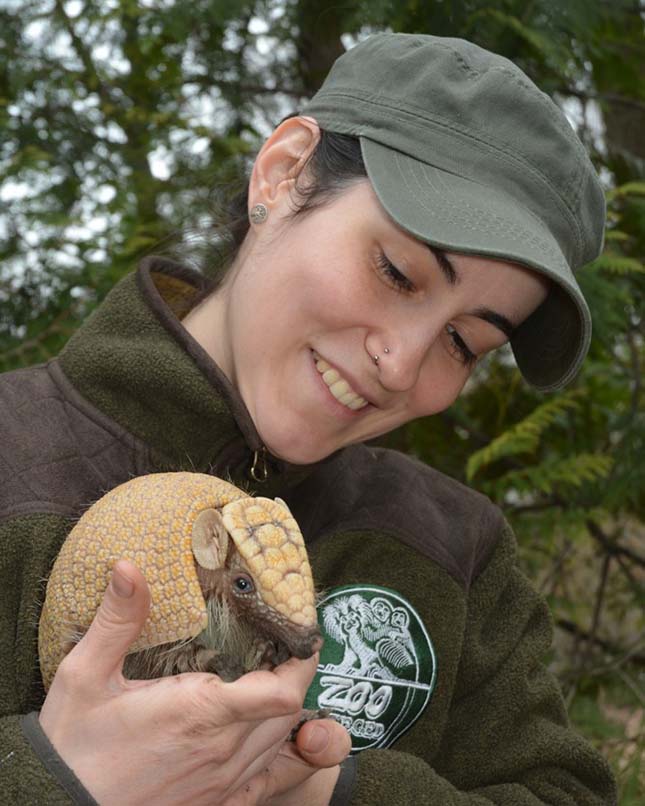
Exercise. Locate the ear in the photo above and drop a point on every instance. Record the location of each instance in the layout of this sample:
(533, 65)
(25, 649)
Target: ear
(281, 159)
(210, 540)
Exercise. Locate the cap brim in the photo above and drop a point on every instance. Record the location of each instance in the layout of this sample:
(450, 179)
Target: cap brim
(457, 214)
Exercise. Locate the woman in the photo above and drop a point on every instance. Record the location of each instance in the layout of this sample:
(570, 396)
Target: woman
(429, 206)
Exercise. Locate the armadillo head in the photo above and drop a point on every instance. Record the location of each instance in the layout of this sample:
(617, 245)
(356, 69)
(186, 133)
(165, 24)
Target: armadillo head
(251, 553)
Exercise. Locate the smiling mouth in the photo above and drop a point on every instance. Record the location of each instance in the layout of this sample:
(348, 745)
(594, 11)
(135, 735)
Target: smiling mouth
(338, 386)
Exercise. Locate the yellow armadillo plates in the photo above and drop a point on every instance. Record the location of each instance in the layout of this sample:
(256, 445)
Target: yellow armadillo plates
(150, 521)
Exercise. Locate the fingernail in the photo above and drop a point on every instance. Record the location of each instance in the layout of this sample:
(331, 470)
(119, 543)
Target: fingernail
(121, 584)
(317, 739)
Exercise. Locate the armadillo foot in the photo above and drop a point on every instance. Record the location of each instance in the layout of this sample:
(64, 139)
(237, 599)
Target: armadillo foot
(306, 716)
(270, 654)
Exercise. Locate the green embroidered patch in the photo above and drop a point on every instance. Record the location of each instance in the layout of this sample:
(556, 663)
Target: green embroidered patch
(377, 668)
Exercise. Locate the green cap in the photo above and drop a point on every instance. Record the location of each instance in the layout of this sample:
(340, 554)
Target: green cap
(467, 154)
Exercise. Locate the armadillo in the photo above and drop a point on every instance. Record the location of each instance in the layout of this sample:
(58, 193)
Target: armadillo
(230, 581)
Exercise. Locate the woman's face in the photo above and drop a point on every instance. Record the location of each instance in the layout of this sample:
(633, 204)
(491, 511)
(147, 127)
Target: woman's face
(314, 296)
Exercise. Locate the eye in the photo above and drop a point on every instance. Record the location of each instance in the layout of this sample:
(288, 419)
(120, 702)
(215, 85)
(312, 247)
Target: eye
(243, 583)
(392, 275)
(464, 354)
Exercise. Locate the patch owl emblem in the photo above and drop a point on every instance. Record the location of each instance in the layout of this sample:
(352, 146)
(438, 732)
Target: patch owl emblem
(377, 667)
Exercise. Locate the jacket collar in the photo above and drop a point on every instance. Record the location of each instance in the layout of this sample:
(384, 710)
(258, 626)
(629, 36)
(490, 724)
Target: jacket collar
(135, 361)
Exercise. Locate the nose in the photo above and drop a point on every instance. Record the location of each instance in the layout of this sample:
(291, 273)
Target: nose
(402, 352)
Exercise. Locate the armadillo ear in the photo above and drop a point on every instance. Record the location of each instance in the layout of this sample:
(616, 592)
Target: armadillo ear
(210, 539)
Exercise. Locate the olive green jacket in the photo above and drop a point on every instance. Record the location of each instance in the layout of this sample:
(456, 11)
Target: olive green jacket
(133, 393)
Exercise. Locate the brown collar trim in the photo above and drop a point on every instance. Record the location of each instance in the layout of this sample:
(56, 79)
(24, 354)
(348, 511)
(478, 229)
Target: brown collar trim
(172, 324)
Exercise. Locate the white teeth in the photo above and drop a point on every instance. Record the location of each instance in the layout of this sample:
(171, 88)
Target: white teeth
(338, 386)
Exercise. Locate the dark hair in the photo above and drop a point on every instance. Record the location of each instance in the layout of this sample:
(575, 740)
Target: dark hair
(334, 164)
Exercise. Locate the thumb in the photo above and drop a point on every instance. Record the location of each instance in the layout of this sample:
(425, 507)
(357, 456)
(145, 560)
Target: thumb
(323, 742)
(118, 622)
(320, 745)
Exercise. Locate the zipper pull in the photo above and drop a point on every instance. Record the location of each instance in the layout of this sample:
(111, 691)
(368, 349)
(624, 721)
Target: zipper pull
(259, 471)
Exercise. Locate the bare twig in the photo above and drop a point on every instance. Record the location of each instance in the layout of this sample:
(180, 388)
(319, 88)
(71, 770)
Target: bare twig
(636, 374)
(611, 547)
(615, 663)
(210, 82)
(607, 646)
(600, 596)
(552, 577)
(631, 685)
(612, 97)
(547, 503)
(83, 54)
(634, 583)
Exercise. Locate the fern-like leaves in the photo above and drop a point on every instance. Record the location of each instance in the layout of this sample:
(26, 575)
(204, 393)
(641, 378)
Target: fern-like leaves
(554, 475)
(523, 437)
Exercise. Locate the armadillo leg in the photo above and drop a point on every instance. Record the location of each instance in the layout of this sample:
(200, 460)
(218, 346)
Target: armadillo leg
(306, 716)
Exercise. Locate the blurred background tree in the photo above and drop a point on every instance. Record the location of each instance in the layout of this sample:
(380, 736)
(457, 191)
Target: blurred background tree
(122, 120)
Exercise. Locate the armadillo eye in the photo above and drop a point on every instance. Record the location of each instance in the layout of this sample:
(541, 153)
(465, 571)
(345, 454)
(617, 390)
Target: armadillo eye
(243, 583)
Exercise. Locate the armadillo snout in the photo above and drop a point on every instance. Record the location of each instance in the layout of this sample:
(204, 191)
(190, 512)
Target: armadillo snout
(304, 645)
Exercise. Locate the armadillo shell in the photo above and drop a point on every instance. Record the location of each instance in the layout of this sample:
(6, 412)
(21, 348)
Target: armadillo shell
(149, 521)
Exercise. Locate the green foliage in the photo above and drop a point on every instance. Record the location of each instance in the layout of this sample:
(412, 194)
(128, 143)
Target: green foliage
(617, 264)
(523, 437)
(552, 475)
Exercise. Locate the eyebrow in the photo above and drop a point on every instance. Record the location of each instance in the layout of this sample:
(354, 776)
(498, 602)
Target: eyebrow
(449, 271)
(496, 319)
(452, 277)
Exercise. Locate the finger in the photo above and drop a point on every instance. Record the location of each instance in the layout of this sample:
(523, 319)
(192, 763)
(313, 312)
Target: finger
(285, 776)
(260, 747)
(317, 749)
(263, 695)
(118, 622)
(299, 672)
(323, 742)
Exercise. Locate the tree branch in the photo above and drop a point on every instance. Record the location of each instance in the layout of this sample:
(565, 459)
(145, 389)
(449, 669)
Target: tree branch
(600, 596)
(83, 54)
(608, 646)
(634, 584)
(611, 97)
(252, 89)
(636, 374)
(611, 547)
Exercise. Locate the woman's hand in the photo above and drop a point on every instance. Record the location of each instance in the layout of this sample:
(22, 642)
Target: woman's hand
(184, 739)
(303, 772)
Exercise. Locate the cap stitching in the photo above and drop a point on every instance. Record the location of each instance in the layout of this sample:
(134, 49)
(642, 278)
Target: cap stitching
(508, 68)
(379, 100)
(493, 223)
(506, 154)
(544, 244)
(556, 117)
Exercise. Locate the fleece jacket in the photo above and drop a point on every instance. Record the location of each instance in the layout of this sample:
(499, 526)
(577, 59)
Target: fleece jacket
(434, 637)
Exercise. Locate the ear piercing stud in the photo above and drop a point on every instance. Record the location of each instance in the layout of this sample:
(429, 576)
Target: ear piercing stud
(259, 213)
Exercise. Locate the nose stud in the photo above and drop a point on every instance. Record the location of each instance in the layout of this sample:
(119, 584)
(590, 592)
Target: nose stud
(376, 358)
